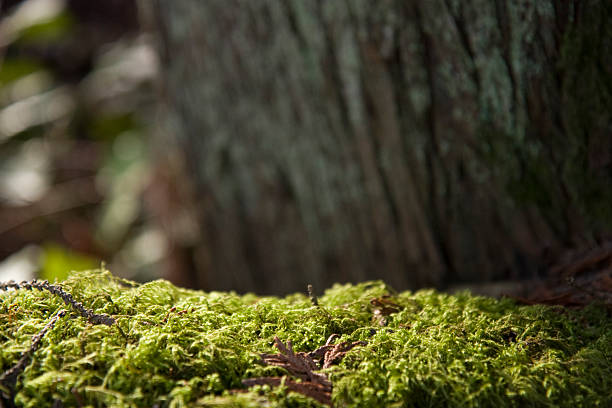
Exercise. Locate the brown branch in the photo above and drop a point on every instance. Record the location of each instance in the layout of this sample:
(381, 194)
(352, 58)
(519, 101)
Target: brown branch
(9, 377)
(65, 296)
(312, 296)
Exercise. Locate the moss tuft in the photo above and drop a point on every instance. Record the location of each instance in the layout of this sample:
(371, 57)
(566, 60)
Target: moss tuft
(179, 347)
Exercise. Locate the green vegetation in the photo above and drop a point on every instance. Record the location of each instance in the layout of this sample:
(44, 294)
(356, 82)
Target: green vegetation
(176, 347)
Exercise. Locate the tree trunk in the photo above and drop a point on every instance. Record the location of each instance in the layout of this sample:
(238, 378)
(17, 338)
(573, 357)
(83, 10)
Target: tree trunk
(420, 142)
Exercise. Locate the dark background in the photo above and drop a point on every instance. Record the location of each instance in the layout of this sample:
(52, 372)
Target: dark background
(106, 143)
(74, 160)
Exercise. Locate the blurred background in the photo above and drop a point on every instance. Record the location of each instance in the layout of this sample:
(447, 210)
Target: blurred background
(76, 107)
(260, 146)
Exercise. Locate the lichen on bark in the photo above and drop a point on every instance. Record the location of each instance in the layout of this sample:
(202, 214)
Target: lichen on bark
(385, 140)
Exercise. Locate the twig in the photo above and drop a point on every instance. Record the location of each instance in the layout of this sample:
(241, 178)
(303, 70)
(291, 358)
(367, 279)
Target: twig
(65, 296)
(9, 377)
(312, 296)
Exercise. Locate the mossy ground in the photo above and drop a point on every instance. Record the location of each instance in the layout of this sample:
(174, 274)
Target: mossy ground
(190, 348)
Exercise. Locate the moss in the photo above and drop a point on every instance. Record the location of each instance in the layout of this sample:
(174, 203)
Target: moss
(184, 347)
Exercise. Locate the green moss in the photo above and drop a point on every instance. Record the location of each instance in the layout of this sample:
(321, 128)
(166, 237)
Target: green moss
(186, 347)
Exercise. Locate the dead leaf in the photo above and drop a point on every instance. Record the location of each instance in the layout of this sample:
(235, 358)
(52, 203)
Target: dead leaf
(303, 366)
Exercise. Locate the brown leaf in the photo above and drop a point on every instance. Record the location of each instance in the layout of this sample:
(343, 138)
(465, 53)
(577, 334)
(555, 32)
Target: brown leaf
(302, 365)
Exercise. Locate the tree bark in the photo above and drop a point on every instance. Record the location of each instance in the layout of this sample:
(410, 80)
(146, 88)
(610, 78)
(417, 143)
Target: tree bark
(421, 142)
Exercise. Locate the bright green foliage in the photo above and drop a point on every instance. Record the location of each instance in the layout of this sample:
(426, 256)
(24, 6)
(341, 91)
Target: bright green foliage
(58, 261)
(190, 348)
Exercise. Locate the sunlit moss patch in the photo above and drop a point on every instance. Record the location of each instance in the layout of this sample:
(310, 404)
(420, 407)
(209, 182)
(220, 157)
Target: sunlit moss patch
(172, 347)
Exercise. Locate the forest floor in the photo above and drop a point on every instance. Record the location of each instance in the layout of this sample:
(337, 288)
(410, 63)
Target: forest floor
(98, 340)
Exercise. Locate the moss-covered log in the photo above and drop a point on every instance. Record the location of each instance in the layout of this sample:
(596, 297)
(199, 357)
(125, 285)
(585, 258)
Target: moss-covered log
(363, 345)
(414, 141)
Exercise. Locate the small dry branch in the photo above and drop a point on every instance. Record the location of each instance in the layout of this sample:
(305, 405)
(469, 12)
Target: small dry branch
(312, 296)
(65, 296)
(9, 377)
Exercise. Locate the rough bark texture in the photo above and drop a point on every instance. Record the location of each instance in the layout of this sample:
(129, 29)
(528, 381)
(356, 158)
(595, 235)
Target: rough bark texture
(420, 142)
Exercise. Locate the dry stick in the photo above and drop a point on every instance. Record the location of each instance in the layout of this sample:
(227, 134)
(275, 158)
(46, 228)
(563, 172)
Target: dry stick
(10, 376)
(312, 296)
(65, 296)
